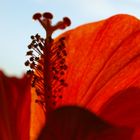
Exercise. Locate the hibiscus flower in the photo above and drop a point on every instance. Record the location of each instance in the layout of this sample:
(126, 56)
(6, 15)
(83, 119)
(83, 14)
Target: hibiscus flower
(100, 70)
(94, 68)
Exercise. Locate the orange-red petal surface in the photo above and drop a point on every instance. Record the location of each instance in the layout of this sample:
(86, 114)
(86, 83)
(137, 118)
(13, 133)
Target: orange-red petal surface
(103, 58)
(14, 108)
(104, 64)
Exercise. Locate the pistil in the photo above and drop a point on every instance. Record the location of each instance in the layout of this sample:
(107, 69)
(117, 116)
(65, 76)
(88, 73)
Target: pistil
(47, 62)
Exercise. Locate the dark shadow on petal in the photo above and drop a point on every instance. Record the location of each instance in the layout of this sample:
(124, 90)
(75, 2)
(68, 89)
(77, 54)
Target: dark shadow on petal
(75, 123)
(123, 109)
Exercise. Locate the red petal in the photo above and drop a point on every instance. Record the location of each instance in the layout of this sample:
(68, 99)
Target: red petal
(74, 123)
(103, 58)
(14, 108)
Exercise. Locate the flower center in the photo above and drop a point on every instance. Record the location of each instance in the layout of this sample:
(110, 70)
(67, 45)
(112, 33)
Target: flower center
(47, 62)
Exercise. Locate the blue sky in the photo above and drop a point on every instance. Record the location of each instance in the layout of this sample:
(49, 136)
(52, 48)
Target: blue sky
(16, 24)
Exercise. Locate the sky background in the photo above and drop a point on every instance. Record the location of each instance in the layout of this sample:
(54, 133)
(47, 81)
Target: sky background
(16, 24)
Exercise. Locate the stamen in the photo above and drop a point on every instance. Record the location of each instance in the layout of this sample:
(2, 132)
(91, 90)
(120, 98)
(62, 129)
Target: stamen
(30, 72)
(29, 46)
(32, 58)
(48, 62)
(29, 53)
(27, 63)
(32, 37)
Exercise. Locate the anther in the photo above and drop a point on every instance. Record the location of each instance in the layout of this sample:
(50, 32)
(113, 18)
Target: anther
(60, 89)
(39, 67)
(54, 70)
(64, 52)
(32, 37)
(29, 53)
(62, 61)
(58, 55)
(37, 37)
(27, 63)
(34, 81)
(33, 84)
(30, 72)
(38, 92)
(31, 58)
(35, 45)
(39, 101)
(30, 46)
(62, 73)
(65, 67)
(62, 81)
(40, 46)
(32, 65)
(61, 47)
(36, 58)
(42, 39)
(55, 77)
(33, 42)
